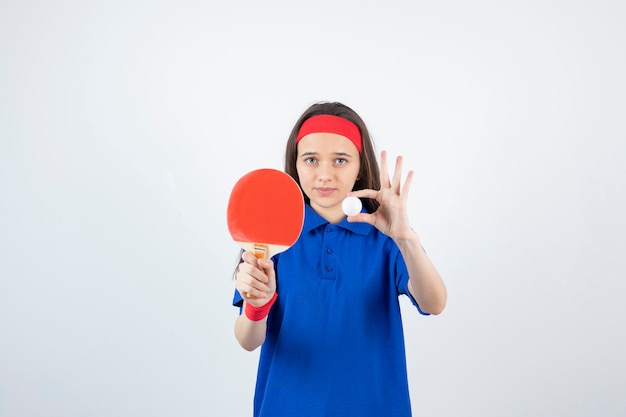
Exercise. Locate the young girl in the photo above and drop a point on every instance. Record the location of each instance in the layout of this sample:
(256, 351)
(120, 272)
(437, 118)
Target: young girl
(326, 311)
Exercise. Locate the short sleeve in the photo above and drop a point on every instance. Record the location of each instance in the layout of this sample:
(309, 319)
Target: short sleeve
(402, 280)
(237, 299)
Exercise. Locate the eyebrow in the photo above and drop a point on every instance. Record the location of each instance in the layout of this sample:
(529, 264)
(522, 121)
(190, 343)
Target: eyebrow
(342, 154)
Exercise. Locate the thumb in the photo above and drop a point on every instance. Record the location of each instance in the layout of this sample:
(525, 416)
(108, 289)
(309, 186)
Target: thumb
(266, 265)
(362, 218)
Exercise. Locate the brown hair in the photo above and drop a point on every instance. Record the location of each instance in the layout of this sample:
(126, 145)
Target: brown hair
(369, 173)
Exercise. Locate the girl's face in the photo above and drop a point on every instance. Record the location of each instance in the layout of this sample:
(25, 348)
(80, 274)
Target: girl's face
(328, 166)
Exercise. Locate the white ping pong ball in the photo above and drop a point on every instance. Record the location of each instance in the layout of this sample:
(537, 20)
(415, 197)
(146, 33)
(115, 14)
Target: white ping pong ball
(351, 206)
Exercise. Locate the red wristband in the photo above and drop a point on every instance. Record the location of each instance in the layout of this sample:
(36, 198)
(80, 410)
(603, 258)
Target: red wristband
(259, 313)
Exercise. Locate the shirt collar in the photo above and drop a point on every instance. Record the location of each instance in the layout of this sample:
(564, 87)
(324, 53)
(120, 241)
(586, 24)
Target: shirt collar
(312, 220)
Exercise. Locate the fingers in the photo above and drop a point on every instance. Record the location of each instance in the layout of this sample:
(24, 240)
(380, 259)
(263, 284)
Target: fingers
(254, 278)
(249, 258)
(384, 171)
(395, 184)
(363, 218)
(407, 184)
(251, 291)
(365, 193)
(397, 176)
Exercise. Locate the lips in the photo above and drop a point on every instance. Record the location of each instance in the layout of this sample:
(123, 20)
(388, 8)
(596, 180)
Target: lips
(324, 191)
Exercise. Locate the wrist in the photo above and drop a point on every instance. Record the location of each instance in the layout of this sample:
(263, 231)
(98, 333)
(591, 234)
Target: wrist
(409, 237)
(259, 313)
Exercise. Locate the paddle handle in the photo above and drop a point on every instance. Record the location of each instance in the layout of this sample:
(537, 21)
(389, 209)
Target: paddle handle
(260, 251)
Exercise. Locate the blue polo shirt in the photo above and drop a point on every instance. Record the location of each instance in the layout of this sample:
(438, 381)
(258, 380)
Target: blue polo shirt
(335, 344)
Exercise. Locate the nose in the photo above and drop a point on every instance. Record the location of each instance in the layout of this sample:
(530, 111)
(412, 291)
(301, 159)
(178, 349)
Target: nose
(325, 172)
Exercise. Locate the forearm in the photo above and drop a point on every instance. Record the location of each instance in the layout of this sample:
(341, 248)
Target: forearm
(425, 283)
(250, 334)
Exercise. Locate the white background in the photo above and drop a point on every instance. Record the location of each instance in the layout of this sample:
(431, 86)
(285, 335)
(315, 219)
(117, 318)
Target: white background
(124, 124)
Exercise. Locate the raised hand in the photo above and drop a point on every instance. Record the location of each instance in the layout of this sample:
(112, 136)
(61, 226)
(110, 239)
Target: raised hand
(391, 218)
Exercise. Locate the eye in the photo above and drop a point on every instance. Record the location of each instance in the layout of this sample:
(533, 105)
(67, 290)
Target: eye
(310, 160)
(341, 161)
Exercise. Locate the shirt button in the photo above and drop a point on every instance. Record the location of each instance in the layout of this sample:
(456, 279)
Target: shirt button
(329, 229)
(329, 269)
(329, 251)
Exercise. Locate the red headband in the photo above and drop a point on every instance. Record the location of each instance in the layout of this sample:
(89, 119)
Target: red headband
(328, 123)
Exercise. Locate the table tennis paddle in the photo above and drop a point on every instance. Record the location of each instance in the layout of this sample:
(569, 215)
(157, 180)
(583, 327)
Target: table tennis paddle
(265, 212)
